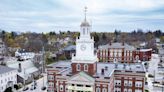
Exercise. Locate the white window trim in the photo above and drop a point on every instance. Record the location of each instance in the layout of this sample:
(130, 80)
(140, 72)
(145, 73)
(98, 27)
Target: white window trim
(78, 67)
(85, 67)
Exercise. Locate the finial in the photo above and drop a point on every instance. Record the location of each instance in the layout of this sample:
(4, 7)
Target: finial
(85, 11)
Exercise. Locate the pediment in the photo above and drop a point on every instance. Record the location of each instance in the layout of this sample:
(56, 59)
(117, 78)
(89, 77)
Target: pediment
(81, 77)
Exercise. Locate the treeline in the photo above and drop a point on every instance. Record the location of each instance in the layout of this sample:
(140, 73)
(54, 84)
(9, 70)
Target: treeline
(35, 41)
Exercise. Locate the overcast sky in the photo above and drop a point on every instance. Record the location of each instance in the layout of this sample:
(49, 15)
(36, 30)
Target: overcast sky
(104, 15)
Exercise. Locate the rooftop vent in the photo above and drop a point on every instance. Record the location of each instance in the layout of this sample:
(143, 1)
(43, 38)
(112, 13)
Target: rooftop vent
(138, 66)
(106, 68)
(116, 65)
(102, 71)
(124, 66)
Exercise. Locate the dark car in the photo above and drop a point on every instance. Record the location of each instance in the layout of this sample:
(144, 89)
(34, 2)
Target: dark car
(26, 88)
(43, 88)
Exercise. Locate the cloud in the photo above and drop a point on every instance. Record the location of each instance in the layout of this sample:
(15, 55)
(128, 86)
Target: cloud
(47, 15)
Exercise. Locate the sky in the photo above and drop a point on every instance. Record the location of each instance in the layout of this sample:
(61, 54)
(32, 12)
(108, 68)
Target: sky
(103, 15)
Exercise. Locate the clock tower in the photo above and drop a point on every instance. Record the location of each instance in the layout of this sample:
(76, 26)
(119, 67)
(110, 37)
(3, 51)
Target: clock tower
(85, 59)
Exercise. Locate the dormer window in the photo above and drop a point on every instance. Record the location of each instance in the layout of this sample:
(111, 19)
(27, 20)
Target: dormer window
(78, 67)
(85, 67)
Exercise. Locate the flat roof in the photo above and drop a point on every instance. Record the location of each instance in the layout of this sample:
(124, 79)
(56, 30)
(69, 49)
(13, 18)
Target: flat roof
(64, 68)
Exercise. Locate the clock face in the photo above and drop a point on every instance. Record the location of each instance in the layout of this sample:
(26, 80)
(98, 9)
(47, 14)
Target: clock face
(83, 47)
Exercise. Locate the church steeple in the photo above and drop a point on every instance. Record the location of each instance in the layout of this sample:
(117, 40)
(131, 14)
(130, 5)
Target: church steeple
(85, 23)
(85, 26)
(84, 58)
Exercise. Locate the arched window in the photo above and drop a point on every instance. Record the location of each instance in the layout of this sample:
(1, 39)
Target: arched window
(87, 30)
(98, 89)
(78, 67)
(85, 67)
(61, 87)
(104, 90)
(83, 30)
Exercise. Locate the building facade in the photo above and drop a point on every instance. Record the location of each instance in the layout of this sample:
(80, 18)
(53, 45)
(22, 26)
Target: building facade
(8, 77)
(123, 53)
(85, 74)
(2, 50)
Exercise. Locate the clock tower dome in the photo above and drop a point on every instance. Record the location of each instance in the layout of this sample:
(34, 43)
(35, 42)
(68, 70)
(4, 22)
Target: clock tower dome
(85, 59)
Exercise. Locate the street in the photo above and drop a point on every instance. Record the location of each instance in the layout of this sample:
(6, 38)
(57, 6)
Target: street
(38, 87)
(153, 69)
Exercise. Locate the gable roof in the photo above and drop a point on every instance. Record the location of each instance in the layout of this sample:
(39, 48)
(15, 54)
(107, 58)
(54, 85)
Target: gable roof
(5, 69)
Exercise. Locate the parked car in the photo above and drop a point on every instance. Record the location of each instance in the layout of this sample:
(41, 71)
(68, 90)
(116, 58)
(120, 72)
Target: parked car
(25, 88)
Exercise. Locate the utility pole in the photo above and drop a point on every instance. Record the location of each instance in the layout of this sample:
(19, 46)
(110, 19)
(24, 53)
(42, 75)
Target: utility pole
(43, 67)
(43, 61)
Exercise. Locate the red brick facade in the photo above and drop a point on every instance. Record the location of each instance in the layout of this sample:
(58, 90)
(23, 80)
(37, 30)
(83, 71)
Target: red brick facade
(126, 56)
(91, 68)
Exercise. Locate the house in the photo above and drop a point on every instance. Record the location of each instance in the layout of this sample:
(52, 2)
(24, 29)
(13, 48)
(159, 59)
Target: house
(8, 77)
(22, 54)
(26, 69)
(69, 50)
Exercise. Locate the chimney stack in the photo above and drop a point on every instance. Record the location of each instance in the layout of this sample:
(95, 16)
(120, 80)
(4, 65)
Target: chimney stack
(116, 65)
(102, 71)
(110, 43)
(123, 43)
(19, 68)
(106, 68)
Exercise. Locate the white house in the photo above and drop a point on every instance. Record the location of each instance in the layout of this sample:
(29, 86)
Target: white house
(23, 54)
(8, 77)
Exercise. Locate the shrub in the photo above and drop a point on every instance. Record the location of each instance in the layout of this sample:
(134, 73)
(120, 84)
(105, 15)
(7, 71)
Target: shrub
(150, 75)
(16, 86)
(9, 89)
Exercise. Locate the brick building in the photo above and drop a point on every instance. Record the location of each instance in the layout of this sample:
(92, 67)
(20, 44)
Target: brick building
(85, 74)
(123, 53)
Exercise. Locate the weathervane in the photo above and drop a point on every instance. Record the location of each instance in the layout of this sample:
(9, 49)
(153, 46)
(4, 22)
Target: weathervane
(85, 11)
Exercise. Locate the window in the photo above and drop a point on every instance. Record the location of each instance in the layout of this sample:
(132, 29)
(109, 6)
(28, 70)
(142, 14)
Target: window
(83, 30)
(88, 86)
(85, 67)
(87, 30)
(61, 87)
(104, 90)
(50, 77)
(78, 67)
(97, 89)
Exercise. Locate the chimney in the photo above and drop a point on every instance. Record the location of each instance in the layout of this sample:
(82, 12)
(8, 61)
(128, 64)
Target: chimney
(123, 43)
(102, 71)
(124, 66)
(19, 68)
(110, 43)
(116, 65)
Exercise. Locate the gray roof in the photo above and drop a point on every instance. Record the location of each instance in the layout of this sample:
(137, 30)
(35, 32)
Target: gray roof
(71, 47)
(64, 68)
(5, 69)
(117, 45)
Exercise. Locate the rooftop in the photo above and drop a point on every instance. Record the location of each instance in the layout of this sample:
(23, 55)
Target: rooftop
(5, 69)
(117, 45)
(70, 47)
(64, 68)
